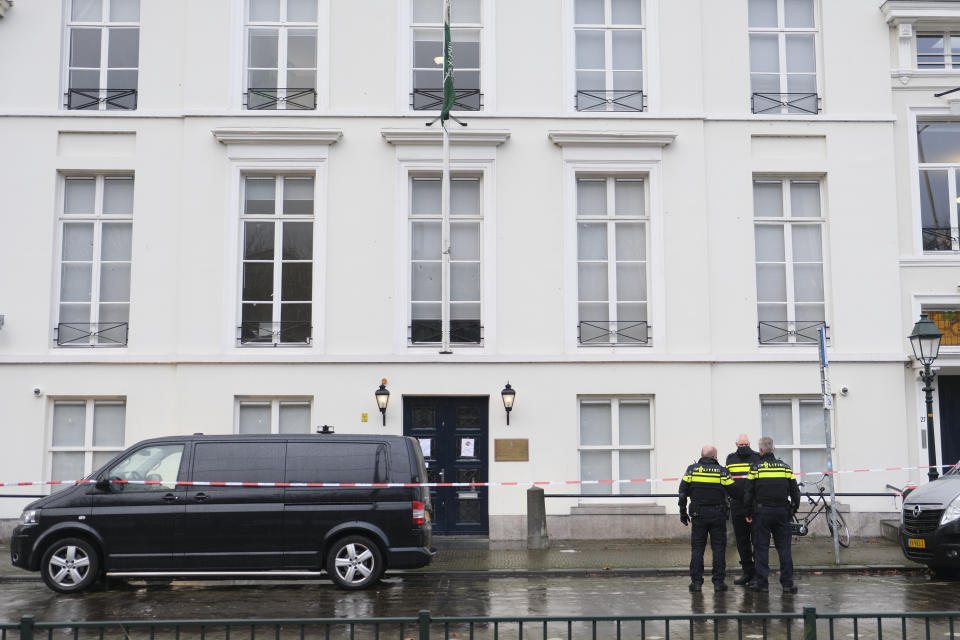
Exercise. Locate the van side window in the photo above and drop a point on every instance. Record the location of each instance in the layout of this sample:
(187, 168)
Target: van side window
(337, 462)
(153, 464)
(238, 462)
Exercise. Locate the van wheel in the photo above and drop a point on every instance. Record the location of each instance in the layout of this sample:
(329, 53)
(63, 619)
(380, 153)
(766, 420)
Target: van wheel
(354, 562)
(70, 565)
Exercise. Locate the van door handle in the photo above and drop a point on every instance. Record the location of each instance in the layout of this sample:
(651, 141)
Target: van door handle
(201, 497)
(170, 498)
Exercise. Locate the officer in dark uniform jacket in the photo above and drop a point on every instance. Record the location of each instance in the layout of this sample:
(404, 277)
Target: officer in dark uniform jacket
(738, 464)
(707, 485)
(771, 497)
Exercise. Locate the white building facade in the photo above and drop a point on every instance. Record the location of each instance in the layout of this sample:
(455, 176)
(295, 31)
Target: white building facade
(224, 217)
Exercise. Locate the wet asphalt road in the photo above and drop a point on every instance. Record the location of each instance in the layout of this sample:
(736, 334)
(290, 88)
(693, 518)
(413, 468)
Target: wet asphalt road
(473, 596)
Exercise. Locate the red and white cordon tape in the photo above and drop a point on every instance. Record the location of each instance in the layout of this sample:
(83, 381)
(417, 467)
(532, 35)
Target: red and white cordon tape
(386, 485)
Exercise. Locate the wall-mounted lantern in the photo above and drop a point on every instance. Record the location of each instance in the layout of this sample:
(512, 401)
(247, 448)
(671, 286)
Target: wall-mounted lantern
(383, 397)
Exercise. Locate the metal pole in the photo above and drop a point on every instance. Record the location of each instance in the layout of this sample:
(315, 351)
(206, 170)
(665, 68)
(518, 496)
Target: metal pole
(809, 623)
(928, 376)
(26, 628)
(445, 244)
(423, 624)
(827, 406)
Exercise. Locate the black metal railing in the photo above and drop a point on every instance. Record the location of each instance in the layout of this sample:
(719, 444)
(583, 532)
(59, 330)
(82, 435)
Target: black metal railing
(792, 102)
(787, 332)
(91, 334)
(275, 98)
(432, 100)
(122, 99)
(808, 624)
(940, 239)
(607, 332)
(610, 100)
(461, 332)
(273, 333)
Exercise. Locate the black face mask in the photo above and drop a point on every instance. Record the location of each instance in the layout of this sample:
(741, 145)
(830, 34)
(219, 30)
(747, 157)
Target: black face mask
(743, 451)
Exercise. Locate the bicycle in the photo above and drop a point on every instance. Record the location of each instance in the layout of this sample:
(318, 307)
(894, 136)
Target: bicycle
(801, 526)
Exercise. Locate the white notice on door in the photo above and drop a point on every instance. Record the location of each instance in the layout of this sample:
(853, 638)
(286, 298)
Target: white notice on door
(466, 447)
(425, 446)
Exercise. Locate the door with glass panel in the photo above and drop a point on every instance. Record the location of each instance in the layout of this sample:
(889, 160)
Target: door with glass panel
(452, 432)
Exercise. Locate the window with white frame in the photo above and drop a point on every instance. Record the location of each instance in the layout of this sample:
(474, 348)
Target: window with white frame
(84, 435)
(609, 40)
(277, 223)
(426, 259)
(783, 58)
(938, 157)
(466, 27)
(96, 229)
(103, 54)
(938, 50)
(281, 70)
(616, 443)
(273, 415)
(788, 237)
(611, 260)
(796, 426)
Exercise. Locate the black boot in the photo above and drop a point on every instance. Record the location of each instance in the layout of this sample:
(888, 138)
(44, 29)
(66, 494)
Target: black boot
(742, 580)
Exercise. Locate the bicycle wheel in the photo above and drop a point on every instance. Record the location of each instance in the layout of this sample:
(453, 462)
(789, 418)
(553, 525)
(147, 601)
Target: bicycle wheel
(843, 532)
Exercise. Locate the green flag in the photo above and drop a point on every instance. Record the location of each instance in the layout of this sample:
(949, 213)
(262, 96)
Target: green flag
(448, 91)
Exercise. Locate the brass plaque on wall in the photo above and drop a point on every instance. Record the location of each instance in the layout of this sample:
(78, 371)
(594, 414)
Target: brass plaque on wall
(511, 450)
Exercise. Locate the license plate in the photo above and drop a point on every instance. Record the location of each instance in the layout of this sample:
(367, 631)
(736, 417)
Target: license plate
(917, 543)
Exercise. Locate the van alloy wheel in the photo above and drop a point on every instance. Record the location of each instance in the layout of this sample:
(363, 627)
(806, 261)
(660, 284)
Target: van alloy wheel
(354, 562)
(70, 565)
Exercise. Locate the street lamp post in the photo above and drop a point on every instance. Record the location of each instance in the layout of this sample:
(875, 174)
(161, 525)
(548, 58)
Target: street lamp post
(925, 341)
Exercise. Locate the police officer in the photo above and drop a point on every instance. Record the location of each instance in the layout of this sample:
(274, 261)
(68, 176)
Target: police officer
(707, 485)
(738, 464)
(771, 497)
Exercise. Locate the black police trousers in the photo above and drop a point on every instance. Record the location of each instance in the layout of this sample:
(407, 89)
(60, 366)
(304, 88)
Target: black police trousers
(743, 532)
(706, 521)
(773, 521)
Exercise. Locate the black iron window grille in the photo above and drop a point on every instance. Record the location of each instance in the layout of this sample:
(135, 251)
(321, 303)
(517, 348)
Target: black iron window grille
(276, 98)
(111, 99)
(610, 100)
(792, 102)
(790, 332)
(275, 333)
(940, 239)
(92, 334)
(461, 332)
(613, 332)
(432, 100)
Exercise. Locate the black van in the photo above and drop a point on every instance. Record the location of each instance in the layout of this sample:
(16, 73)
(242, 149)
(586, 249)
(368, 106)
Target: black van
(158, 524)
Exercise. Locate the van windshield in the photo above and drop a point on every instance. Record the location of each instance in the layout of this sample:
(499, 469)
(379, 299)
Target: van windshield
(954, 470)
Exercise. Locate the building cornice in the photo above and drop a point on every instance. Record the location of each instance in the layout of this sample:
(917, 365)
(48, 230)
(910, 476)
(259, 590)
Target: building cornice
(897, 12)
(618, 138)
(494, 137)
(279, 135)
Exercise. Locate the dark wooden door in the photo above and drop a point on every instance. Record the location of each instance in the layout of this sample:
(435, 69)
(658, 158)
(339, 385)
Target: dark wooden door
(949, 387)
(453, 435)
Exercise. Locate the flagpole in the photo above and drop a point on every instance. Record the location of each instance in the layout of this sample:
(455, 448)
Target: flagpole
(445, 186)
(445, 243)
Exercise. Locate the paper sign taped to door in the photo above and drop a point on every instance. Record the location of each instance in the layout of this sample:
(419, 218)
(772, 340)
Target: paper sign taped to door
(425, 446)
(466, 447)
